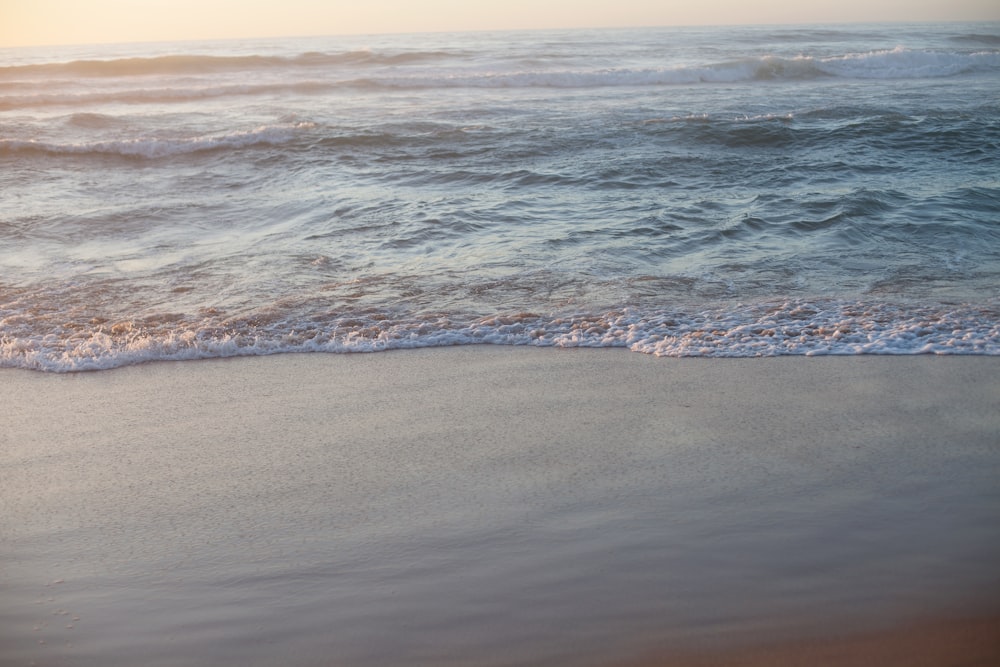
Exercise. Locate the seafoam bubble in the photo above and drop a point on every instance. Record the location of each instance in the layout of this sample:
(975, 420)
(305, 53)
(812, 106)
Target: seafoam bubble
(151, 148)
(797, 327)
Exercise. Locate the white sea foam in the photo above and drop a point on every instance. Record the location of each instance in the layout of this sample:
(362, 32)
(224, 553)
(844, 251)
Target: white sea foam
(158, 148)
(752, 330)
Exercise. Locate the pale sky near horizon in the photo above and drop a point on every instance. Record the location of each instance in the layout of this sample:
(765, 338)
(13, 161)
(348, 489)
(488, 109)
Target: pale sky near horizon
(47, 22)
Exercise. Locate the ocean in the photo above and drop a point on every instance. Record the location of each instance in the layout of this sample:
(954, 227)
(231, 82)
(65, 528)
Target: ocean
(724, 191)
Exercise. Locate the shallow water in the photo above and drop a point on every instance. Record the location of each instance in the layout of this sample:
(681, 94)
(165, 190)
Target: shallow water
(639, 188)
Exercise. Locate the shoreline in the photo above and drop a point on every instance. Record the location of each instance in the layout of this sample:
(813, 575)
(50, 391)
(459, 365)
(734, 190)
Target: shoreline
(502, 506)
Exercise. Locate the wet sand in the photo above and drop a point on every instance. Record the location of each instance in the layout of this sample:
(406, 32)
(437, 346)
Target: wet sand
(952, 643)
(503, 506)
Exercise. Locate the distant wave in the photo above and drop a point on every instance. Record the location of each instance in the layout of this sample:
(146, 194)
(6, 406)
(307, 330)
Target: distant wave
(977, 38)
(898, 63)
(156, 148)
(808, 35)
(895, 63)
(161, 95)
(815, 129)
(93, 121)
(901, 63)
(198, 64)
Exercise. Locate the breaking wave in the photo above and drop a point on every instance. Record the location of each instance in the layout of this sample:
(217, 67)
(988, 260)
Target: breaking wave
(756, 330)
(328, 72)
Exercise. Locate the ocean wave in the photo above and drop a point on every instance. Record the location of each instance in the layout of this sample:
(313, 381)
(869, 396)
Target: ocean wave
(957, 133)
(898, 63)
(811, 35)
(182, 64)
(796, 327)
(977, 38)
(164, 95)
(93, 121)
(150, 148)
(903, 63)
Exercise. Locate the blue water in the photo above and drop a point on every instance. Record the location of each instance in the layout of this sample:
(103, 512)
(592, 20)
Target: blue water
(688, 191)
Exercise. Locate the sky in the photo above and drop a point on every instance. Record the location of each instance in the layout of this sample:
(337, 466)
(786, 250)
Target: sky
(46, 22)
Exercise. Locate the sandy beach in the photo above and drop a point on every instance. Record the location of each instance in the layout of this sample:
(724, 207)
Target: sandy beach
(503, 506)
